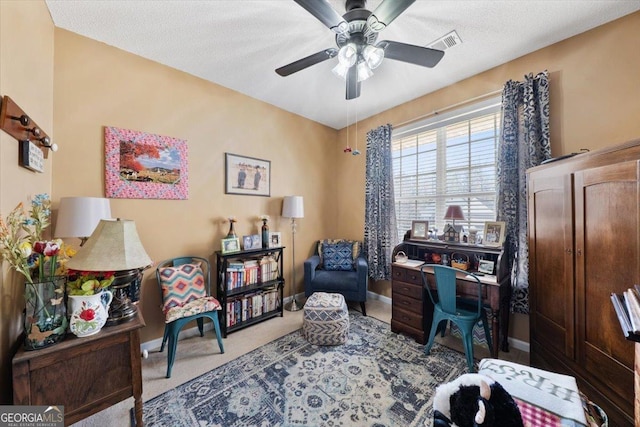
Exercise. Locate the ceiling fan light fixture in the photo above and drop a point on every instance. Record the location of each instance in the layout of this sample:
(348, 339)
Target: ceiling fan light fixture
(374, 24)
(364, 72)
(340, 70)
(373, 55)
(347, 55)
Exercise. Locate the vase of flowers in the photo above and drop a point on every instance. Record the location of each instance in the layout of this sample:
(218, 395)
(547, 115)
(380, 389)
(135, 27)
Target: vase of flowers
(41, 262)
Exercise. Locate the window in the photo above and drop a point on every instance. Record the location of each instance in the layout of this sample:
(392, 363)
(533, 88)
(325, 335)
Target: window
(448, 159)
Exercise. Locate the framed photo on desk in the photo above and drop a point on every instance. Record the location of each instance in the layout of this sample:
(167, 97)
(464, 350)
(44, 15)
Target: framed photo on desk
(494, 233)
(419, 230)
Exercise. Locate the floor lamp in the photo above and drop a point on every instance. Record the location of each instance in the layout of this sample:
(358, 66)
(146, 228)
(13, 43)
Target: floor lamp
(293, 207)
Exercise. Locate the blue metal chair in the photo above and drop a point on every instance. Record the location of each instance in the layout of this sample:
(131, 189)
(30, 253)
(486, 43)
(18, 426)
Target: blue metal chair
(447, 307)
(185, 285)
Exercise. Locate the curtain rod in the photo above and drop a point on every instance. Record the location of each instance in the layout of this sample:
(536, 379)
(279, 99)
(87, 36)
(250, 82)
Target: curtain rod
(449, 107)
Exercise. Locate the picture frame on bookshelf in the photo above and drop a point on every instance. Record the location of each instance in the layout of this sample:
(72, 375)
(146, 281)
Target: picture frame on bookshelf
(494, 233)
(256, 241)
(231, 244)
(419, 230)
(246, 243)
(275, 239)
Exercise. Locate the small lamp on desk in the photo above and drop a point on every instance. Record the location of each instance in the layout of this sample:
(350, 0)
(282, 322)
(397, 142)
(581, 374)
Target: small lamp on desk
(453, 212)
(114, 246)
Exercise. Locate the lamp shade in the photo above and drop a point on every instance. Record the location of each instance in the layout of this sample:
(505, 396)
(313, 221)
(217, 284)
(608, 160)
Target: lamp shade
(79, 216)
(113, 246)
(293, 207)
(454, 212)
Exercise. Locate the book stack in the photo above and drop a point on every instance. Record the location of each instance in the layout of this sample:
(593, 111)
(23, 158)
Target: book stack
(252, 305)
(249, 272)
(627, 307)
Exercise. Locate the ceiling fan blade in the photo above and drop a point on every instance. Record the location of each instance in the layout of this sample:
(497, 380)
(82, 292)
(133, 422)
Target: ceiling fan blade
(353, 85)
(308, 61)
(326, 14)
(386, 12)
(410, 53)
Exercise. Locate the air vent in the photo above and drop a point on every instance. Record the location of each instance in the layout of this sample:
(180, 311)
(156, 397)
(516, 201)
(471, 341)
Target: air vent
(446, 42)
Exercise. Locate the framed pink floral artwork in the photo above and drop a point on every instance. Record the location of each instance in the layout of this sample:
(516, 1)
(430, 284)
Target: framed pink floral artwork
(140, 165)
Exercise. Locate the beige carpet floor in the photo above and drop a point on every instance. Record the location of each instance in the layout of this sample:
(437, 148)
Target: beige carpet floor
(196, 355)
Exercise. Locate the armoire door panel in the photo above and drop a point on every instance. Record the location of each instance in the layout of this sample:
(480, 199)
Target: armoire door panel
(606, 224)
(551, 246)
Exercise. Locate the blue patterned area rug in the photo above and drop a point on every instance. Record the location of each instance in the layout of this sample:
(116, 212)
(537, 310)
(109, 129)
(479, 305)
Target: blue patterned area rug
(378, 378)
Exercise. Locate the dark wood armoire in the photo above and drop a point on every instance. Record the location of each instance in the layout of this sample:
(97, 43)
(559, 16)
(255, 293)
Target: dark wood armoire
(584, 244)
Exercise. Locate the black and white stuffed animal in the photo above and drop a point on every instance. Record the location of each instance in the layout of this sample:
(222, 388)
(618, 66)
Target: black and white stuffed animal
(474, 400)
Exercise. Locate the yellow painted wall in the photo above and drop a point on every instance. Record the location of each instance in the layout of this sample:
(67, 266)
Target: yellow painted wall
(96, 85)
(594, 101)
(26, 76)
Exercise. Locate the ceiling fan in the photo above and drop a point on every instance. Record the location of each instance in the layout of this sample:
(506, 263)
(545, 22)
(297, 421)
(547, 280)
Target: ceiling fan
(356, 36)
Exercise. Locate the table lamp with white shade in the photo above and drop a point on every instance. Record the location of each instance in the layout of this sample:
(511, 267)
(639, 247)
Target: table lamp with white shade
(293, 207)
(79, 216)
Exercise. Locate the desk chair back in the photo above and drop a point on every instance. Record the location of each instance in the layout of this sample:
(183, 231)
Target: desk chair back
(448, 307)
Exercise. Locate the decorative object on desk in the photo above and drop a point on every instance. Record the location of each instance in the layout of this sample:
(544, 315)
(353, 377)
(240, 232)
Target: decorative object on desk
(473, 232)
(89, 312)
(79, 216)
(419, 230)
(265, 231)
(231, 244)
(247, 175)
(232, 230)
(444, 260)
(293, 207)
(494, 232)
(485, 266)
(460, 261)
(140, 165)
(115, 246)
(42, 265)
(452, 231)
(401, 257)
(435, 258)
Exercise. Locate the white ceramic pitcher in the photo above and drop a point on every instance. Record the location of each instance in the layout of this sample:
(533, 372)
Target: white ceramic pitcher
(89, 313)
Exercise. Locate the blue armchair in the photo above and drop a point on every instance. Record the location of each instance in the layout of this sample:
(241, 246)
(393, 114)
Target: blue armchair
(338, 266)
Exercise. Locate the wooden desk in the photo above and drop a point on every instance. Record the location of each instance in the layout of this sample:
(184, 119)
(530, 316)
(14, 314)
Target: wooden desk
(86, 375)
(408, 281)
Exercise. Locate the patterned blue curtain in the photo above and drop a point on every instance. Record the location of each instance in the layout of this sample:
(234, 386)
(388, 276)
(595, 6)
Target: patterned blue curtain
(380, 230)
(524, 143)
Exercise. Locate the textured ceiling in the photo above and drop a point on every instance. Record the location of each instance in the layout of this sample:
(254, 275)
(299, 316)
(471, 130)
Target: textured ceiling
(238, 44)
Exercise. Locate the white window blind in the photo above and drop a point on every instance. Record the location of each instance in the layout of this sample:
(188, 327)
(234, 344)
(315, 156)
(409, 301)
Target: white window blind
(448, 159)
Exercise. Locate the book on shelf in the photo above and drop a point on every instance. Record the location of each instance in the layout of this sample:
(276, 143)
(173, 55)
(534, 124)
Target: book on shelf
(632, 300)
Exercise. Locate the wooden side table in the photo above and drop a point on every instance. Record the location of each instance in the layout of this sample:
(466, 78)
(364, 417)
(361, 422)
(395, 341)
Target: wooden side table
(85, 375)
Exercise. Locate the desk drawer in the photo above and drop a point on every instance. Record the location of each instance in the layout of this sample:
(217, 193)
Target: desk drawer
(407, 317)
(407, 303)
(407, 289)
(405, 274)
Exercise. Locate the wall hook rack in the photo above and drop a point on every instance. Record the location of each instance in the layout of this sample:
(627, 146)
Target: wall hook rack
(18, 124)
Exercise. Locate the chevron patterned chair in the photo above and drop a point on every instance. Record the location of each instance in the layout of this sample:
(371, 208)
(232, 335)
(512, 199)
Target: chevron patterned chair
(185, 284)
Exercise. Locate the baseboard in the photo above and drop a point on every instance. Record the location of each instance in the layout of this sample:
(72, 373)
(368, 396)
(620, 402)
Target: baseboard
(519, 344)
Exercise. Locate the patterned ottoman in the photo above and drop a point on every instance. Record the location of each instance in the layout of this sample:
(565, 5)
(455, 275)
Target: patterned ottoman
(326, 319)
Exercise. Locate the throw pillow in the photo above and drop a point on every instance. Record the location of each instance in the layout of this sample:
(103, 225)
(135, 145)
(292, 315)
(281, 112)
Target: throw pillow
(181, 285)
(355, 248)
(338, 256)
